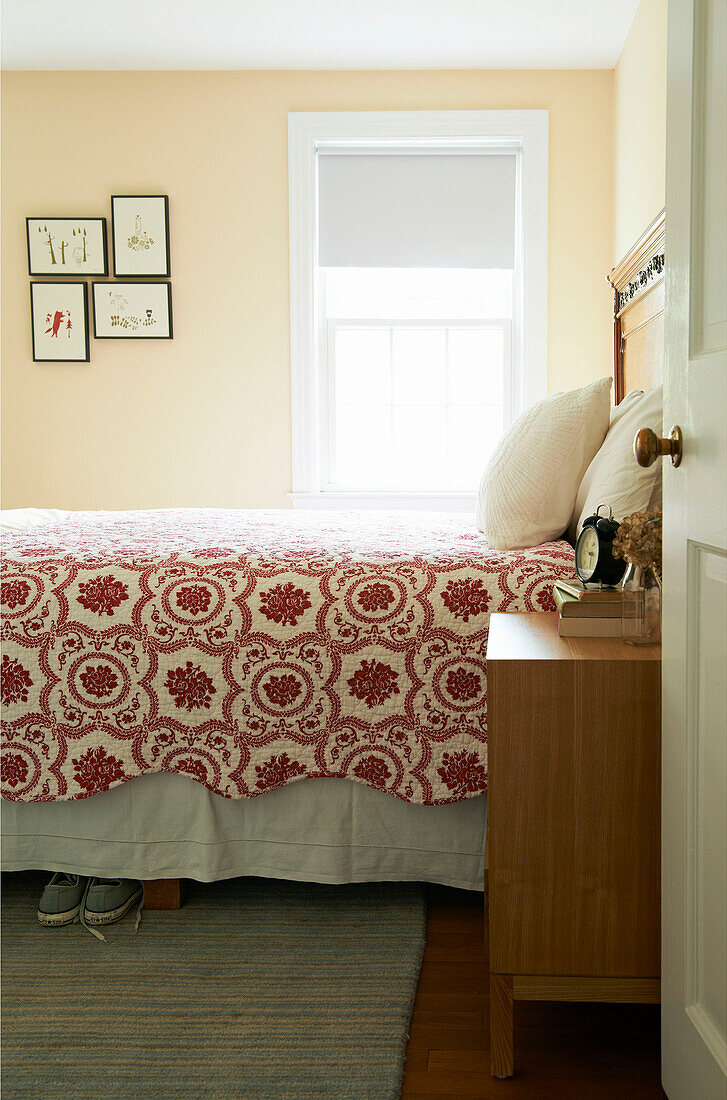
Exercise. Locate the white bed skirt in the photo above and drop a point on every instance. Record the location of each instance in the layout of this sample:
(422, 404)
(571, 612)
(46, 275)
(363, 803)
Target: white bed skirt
(316, 830)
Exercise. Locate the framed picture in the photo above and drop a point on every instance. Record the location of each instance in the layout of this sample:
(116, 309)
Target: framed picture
(132, 311)
(67, 246)
(140, 234)
(59, 321)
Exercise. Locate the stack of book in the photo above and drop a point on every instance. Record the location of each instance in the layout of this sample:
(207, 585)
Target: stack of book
(587, 611)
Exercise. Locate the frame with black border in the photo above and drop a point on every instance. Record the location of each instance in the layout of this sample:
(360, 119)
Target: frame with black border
(132, 336)
(87, 342)
(146, 274)
(68, 271)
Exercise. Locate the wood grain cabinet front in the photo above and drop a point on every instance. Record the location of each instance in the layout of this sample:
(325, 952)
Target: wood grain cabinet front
(573, 820)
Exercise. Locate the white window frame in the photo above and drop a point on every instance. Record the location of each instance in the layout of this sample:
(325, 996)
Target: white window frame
(524, 131)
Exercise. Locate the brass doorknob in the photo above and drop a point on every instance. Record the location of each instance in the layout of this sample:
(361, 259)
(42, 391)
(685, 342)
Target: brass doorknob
(648, 447)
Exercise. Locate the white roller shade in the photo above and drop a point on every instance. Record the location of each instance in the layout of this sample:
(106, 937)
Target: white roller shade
(416, 210)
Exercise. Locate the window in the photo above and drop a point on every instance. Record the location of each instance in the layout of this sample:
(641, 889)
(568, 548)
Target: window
(409, 283)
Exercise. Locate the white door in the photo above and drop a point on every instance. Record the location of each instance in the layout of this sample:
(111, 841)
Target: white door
(694, 824)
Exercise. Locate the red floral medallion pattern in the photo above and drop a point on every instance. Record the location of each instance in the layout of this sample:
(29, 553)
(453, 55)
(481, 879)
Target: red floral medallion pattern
(99, 680)
(276, 771)
(103, 594)
(373, 771)
(373, 683)
(284, 604)
(463, 773)
(251, 649)
(466, 597)
(14, 593)
(194, 599)
(14, 682)
(376, 596)
(193, 768)
(190, 687)
(282, 690)
(96, 770)
(545, 599)
(13, 769)
(463, 684)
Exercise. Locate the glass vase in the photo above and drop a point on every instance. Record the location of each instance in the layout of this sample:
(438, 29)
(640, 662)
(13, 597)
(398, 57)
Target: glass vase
(641, 605)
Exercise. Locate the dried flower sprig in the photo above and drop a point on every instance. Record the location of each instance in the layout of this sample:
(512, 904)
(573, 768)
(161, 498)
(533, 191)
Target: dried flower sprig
(638, 539)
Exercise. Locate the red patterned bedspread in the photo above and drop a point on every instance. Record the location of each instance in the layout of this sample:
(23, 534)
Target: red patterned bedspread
(248, 649)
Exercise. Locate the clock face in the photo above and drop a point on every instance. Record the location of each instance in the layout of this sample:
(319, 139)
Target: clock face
(587, 553)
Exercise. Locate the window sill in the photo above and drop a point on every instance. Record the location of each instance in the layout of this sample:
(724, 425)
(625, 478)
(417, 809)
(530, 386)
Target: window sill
(427, 502)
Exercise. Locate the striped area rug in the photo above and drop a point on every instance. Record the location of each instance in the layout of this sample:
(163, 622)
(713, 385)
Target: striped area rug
(255, 989)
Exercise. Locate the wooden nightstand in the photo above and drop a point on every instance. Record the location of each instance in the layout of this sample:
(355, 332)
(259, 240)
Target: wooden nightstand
(573, 820)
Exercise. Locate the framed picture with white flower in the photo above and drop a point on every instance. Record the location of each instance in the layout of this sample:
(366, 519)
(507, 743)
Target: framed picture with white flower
(140, 236)
(59, 322)
(132, 311)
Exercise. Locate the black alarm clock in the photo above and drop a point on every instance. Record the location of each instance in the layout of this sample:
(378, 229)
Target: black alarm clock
(594, 550)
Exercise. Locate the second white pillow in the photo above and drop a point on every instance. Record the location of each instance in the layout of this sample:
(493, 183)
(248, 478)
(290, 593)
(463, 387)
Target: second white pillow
(614, 477)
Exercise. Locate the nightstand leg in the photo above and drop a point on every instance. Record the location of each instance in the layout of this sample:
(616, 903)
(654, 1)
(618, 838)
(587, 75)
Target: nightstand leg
(501, 1026)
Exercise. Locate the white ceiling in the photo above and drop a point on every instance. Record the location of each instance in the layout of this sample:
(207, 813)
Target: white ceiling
(313, 34)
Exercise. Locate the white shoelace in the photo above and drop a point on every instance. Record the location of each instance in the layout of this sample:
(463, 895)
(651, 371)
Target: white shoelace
(82, 914)
(94, 931)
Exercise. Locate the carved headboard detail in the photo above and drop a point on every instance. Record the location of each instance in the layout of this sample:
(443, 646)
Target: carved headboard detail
(638, 313)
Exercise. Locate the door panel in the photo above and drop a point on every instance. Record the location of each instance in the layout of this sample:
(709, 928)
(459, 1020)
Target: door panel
(707, 816)
(709, 171)
(694, 690)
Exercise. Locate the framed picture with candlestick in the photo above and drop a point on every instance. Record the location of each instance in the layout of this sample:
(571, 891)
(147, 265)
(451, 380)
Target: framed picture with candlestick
(140, 236)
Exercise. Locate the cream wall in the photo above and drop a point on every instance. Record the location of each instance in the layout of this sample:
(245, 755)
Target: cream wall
(204, 419)
(640, 151)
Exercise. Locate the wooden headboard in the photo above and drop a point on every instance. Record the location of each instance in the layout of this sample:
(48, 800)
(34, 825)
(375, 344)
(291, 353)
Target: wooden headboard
(638, 313)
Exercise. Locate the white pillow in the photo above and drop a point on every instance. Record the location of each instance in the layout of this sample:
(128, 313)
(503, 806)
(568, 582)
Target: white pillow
(614, 477)
(529, 487)
(19, 519)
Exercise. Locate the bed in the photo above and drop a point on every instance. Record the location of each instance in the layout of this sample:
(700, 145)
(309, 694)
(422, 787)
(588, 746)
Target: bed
(345, 739)
(200, 693)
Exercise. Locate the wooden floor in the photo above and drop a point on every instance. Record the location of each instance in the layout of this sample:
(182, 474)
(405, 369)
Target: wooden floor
(562, 1052)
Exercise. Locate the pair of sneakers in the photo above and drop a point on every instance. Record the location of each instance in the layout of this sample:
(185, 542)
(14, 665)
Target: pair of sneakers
(94, 901)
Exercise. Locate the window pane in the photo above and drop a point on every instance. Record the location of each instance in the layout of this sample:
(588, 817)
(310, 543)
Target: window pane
(419, 366)
(362, 365)
(474, 430)
(362, 447)
(419, 458)
(418, 404)
(476, 366)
